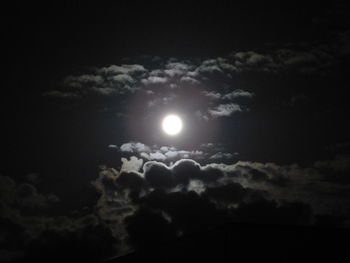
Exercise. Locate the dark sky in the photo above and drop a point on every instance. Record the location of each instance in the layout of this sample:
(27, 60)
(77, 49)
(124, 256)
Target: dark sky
(261, 89)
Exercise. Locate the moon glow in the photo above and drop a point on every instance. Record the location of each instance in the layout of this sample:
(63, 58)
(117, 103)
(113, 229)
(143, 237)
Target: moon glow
(172, 125)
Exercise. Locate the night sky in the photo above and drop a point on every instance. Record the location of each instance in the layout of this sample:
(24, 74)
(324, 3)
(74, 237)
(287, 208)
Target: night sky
(88, 173)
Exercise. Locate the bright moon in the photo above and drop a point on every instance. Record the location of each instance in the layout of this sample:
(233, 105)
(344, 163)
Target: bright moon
(172, 125)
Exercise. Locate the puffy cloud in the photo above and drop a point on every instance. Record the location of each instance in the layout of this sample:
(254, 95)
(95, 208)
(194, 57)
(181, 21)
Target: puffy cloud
(123, 69)
(212, 95)
(21, 197)
(133, 147)
(215, 65)
(169, 154)
(154, 80)
(29, 230)
(186, 196)
(184, 67)
(190, 80)
(252, 58)
(159, 153)
(161, 202)
(157, 156)
(238, 93)
(306, 60)
(209, 67)
(134, 164)
(222, 155)
(224, 110)
(78, 81)
(106, 81)
(123, 78)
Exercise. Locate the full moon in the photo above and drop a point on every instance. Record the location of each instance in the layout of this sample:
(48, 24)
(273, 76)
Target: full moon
(172, 124)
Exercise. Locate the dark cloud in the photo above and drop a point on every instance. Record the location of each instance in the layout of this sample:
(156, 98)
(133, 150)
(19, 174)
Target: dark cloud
(229, 194)
(148, 228)
(159, 175)
(29, 228)
(167, 84)
(91, 241)
(177, 196)
(161, 203)
(270, 212)
(336, 170)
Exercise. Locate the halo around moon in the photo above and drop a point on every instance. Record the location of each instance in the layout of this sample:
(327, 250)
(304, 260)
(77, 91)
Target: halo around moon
(172, 124)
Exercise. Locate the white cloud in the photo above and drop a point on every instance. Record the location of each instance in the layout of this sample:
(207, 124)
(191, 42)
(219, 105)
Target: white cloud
(134, 164)
(189, 80)
(157, 156)
(238, 93)
(154, 80)
(224, 110)
(123, 69)
(134, 147)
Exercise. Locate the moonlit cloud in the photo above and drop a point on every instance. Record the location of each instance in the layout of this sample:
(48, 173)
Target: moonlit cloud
(154, 80)
(224, 110)
(89, 173)
(170, 153)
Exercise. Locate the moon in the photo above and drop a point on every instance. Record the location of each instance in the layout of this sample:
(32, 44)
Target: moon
(172, 125)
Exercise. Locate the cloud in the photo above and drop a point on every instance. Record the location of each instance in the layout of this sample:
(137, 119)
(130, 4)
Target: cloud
(29, 229)
(221, 156)
(22, 197)
(116, 80)
(253, 59)
(123, 78)
(154, 80)
(157, 156)
(106, 81)
(340, 163)
(209, 67)
(134, 164)
(190, 80)
(336, 170)
(123, 69)
(162, 153)
(186, 197)
(160, 202)
(238, 93)
(113, 146)
(133, 147)
(212, 95)
(184, 67)
(224, 110)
